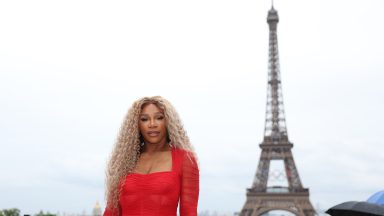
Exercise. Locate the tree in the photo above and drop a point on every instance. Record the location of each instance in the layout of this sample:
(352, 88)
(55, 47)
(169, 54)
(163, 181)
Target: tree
(41, 213)
(10, 212)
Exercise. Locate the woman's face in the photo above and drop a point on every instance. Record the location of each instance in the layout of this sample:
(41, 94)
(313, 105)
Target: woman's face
(152, 124)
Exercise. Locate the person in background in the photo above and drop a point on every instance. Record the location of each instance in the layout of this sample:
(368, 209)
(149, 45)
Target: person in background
(152, 169)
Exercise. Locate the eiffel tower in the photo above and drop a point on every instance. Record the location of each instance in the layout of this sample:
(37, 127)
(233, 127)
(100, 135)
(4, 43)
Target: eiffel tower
(262, 198)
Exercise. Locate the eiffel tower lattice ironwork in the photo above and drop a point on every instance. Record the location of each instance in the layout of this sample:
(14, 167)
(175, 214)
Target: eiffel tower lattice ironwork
(262, 198)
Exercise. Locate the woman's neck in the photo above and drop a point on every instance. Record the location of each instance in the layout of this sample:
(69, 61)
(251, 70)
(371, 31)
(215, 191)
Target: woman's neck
(158, 147)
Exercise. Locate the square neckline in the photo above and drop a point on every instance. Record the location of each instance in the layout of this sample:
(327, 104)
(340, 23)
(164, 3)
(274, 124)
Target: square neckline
(166, 171)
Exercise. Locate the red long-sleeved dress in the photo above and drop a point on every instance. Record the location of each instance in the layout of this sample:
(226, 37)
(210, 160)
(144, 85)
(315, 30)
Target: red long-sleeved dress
(158, 193)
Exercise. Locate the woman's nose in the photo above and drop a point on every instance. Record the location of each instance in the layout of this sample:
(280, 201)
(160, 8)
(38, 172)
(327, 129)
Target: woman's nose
(152, 123)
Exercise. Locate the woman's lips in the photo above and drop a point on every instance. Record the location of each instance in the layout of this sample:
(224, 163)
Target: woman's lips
(153, 133)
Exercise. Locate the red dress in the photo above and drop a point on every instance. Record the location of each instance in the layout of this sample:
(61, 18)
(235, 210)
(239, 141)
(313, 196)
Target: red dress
(158, 193)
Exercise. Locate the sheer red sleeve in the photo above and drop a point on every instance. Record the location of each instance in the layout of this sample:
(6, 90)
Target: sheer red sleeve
(189, 186)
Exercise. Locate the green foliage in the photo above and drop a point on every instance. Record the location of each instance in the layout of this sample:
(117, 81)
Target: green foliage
(10, 212)
(16, 212)
(41, 213)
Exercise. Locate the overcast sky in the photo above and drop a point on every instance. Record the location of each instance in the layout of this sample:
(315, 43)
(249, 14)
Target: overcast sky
(69, 70)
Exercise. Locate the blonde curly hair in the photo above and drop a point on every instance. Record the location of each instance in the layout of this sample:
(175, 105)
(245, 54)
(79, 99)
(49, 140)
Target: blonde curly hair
(127, 148)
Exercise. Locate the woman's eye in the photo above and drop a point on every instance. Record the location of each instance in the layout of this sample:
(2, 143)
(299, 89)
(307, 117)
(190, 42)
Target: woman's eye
(143, 119)
(160, 117)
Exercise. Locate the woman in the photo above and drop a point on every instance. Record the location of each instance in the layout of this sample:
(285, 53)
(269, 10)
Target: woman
(153, 167)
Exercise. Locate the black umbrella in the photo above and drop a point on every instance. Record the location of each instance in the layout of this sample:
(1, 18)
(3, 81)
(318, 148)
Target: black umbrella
(353, 208)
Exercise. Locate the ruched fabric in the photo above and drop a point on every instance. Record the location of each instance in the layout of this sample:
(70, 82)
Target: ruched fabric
(159, 193)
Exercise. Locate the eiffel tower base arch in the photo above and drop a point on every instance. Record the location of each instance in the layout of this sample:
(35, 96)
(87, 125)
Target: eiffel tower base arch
(258, 203)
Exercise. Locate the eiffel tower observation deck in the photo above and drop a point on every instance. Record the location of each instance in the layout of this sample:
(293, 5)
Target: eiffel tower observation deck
(261, 197)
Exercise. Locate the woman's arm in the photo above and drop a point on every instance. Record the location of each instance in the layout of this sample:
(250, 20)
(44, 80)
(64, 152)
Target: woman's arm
(189, 186)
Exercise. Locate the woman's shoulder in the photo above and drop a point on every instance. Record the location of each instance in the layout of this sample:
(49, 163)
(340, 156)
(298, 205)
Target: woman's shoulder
(183, 152)
(184, 156)
(179, 150)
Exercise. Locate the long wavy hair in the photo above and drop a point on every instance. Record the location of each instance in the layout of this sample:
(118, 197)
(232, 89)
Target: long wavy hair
(127, 148)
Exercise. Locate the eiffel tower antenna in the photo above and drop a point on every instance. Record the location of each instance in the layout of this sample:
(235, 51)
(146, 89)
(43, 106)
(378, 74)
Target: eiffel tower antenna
(261, 197)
